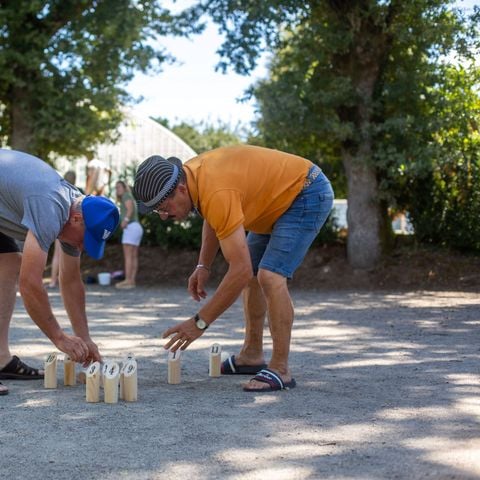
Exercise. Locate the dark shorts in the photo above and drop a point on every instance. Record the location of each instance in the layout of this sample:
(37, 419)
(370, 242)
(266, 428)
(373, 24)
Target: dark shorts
(284, 249)
(8, 244)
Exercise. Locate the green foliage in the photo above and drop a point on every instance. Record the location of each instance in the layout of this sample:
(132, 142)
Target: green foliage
(329, 234)
(172, 235)
(390, 84)
(64, 65)
(204, 136)
(442, 193)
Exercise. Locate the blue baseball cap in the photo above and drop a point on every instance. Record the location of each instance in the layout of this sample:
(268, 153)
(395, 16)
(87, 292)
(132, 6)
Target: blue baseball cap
(101, 218)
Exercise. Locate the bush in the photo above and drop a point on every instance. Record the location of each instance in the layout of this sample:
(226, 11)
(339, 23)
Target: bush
(445, 206)
(169, 234)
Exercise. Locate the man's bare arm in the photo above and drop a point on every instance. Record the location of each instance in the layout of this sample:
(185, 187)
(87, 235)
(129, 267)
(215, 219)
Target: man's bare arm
(37, 304)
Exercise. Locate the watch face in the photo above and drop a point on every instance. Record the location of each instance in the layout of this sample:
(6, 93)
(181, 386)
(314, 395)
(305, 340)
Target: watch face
(201, 324)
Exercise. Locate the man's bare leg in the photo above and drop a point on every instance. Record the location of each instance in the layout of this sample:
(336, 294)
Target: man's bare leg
(134, 264)
(280, 314)
(9, 269)
(127, 255)
(255, 309)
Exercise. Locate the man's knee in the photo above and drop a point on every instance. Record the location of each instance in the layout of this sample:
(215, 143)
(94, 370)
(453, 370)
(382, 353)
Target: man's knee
(270, 281)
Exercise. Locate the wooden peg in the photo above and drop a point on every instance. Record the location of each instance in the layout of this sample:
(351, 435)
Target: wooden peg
(110, 382)
(215, 360)
(50, 378)
(130, 383)
(126, 359)
(104, 372)
(69, 378)
(82, 375)
(93, 382)
(174, 367)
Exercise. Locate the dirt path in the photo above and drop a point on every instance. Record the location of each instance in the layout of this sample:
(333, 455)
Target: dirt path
(388, 388)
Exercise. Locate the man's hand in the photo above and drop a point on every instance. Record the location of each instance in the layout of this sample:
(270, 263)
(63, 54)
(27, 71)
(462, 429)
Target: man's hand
(93, 353)
(197, 282)
(74, 347)
(185, 333)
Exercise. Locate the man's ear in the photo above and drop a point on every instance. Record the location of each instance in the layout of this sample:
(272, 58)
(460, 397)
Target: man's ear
(77, 217)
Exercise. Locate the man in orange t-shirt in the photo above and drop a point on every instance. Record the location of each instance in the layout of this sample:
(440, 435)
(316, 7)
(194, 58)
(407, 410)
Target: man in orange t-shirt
(282, 201)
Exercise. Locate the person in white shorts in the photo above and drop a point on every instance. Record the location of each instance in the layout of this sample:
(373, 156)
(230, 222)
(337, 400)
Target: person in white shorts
(132, 233)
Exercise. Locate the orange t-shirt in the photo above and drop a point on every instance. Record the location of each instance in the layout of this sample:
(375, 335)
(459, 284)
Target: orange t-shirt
(247, 185)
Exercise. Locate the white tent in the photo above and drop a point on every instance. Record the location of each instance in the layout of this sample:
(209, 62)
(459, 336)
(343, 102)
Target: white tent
(139, 137)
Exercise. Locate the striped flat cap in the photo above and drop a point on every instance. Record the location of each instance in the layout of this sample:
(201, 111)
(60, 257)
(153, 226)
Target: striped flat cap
(155, 180)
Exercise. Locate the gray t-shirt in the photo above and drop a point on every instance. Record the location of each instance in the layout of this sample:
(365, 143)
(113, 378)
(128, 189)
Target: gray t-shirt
(33, 196)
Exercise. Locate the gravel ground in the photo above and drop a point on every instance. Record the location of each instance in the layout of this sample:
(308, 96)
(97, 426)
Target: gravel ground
(388, 388)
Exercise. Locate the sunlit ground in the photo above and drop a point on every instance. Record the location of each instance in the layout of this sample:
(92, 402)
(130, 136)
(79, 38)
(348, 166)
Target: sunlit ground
(388, 387)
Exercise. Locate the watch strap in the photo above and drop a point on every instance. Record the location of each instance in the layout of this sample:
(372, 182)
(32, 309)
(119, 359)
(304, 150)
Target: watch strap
(198, 319)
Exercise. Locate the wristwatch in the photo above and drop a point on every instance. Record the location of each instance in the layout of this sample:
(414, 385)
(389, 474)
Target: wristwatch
(200, 323)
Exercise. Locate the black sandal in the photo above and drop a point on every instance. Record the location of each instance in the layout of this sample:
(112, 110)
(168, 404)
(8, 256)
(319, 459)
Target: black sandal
(17, 370)
(3, 392)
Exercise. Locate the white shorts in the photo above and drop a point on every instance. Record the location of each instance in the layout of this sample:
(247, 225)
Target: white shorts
(132, 235)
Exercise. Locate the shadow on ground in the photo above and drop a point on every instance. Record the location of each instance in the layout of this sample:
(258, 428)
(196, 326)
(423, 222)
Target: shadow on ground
(388, 387)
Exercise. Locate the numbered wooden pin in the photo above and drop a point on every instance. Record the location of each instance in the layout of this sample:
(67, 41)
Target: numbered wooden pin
(126, 359)
(215, 360)
(93, 382)
(104, 372)
(82, 376)
(50, 377)
(69, 378)
(110, 382)
(130, 382)
(174, 367)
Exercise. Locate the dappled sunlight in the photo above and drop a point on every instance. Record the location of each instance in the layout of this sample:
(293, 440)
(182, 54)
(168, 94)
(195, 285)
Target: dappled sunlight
(301, 443)
(424, 413)
(178, 469)
(392, 378)
(469, 386)
(278, 473)
(462, 454)
(260, 400)
(78, 416)
(40, 402)
(442, 299)
(368, 363)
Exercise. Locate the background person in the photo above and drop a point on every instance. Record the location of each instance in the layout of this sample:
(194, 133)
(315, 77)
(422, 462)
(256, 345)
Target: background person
(37, 206)
(132, 233)
(282, 200)
(98, 177)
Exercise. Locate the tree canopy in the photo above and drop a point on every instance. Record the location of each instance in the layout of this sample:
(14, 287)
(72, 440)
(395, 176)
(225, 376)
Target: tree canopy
(358, 84)
(64, 65)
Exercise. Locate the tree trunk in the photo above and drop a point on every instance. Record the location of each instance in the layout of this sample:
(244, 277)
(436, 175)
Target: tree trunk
(364, 246)
(21, 128)
(368, 227)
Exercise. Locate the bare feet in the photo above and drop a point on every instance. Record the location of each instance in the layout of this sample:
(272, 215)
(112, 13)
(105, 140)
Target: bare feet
(244, 360)
(125, 285)
(256, 385)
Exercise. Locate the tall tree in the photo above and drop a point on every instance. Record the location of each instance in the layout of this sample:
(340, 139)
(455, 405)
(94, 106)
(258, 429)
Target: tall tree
(64, 65)
(342, 51)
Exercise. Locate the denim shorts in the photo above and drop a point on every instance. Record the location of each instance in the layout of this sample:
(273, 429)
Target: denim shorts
(283, 250)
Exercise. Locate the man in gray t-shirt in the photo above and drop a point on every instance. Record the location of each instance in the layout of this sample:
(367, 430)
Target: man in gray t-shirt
(37, 206)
